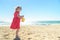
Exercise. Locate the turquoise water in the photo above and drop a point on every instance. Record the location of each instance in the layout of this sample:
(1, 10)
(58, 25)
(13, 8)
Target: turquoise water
(46, 22)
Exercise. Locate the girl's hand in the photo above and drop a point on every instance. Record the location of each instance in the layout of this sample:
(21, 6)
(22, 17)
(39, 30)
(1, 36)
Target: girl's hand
(21, 16)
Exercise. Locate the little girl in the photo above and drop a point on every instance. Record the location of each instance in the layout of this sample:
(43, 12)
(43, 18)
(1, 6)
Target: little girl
(16, 20)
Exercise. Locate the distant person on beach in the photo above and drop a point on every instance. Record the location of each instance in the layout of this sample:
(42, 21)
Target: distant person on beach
(16, 20)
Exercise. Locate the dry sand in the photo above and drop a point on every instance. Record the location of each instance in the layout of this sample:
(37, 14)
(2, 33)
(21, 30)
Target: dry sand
(49, 32)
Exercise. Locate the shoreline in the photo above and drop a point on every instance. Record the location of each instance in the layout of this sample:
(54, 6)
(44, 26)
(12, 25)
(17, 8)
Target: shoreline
(31, 25)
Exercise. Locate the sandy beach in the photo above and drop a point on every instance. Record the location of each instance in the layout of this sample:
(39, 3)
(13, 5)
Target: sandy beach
(48, 32)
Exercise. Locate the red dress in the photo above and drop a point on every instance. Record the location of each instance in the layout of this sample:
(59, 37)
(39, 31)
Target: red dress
(16, 21)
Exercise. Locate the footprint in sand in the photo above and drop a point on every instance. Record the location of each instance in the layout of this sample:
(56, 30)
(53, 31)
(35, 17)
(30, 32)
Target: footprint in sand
(30, 33)
(59, 37)
(29, 38)
(6, 36)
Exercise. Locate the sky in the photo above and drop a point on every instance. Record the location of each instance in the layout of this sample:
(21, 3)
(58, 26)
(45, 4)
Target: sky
(33, 10)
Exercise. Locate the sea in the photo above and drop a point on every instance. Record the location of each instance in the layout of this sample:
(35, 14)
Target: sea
(46, 22)
(34, 23)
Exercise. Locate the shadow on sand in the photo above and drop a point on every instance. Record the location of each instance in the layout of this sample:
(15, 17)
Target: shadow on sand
(16, 38)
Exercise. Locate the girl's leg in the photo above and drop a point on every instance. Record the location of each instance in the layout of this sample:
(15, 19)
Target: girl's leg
(17, 31)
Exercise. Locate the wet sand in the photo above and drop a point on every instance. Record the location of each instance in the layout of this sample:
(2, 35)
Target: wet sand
(49, 32)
